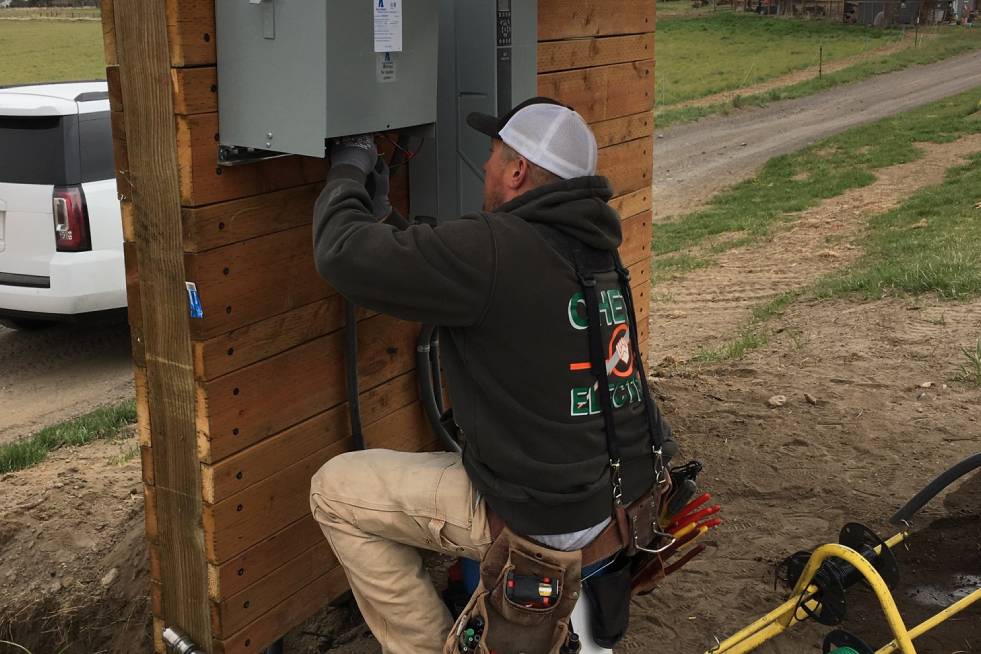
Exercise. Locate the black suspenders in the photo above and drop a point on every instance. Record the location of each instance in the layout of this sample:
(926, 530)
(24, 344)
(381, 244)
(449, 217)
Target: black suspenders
(588, 263)
(597, 361)
(653, 420)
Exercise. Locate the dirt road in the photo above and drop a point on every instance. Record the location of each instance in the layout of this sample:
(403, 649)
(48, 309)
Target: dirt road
(693, 162)
(58, 373)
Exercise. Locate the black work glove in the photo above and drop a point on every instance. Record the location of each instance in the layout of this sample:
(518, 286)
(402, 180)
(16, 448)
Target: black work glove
(358, 151)
(379, 185)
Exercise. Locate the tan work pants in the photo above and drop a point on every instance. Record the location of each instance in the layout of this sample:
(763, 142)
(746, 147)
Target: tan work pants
(376, 508)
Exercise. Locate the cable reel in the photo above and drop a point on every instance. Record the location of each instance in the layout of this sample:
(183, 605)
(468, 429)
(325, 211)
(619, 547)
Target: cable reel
(864, 541)
(832, 606)
(835, 576)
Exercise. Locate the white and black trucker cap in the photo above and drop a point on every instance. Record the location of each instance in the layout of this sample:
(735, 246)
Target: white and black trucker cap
(546, 133)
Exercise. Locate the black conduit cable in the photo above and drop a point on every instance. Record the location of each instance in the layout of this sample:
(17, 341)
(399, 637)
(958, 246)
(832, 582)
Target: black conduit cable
(905, 514)
(425, 368)
(427, 349)
(351, 369)
(399, 158)
(434, 369)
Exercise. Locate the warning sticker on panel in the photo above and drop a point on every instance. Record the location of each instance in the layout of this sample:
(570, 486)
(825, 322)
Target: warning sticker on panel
(388, 68)
(388, 25)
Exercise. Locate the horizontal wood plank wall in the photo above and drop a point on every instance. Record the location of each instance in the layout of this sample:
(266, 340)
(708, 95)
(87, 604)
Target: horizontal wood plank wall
(267, 356)
(598, 57)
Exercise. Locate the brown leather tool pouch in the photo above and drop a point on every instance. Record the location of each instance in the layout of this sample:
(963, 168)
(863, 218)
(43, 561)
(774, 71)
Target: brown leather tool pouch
(635, 524)
(646, 572)
(641, 532)
(638, 523)
(511, 628)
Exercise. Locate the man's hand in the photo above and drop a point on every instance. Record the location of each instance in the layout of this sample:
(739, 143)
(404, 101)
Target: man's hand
(357, 151)
(379, 186)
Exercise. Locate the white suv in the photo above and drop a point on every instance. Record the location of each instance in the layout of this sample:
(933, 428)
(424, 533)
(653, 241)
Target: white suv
(61, 240)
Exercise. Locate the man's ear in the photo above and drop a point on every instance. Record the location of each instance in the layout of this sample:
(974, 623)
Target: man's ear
(517, 173)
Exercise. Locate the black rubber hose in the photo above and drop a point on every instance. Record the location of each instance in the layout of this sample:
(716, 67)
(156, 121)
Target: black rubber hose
(351, 336)
(427, 390)
(351, 365)
(435, 371)
(905, 514)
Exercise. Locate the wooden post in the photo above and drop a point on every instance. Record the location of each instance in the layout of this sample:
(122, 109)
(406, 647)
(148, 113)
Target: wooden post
(239, 408)
(151, 143)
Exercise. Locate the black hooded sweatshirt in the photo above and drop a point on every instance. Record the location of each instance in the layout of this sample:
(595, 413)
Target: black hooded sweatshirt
(513, 340)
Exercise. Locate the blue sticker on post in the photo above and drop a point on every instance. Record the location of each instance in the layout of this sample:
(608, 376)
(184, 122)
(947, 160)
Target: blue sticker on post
(194, 300)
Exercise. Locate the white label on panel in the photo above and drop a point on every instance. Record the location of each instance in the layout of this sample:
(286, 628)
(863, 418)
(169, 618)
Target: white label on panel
(388, 25)
(388, 67)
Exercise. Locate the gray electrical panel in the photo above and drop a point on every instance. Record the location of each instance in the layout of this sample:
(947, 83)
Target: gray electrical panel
(293, 73)
(488, 62)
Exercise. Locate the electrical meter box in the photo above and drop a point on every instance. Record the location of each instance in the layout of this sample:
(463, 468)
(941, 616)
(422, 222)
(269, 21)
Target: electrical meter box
(488, 63)
(294, 73)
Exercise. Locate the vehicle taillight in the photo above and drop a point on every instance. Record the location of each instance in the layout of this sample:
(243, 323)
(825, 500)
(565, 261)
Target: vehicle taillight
(71, 219)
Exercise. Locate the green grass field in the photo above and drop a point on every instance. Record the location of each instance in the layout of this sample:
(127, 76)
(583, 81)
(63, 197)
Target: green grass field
(800, 180)
(103, 423)
(50, 51)
(47, 13)
(927, 245)
(939, 43)
(728, 50)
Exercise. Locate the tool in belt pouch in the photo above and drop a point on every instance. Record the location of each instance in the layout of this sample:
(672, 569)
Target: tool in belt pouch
(523, 602)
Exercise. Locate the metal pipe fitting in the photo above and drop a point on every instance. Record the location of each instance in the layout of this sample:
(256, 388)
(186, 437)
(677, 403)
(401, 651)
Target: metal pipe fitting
(180, 643)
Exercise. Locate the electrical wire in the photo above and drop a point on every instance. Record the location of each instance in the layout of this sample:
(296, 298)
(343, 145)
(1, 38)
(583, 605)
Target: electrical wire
(351, 366)
(400, 157)
(934, 488)
(427, 372)
(436, 372)
(402, 154)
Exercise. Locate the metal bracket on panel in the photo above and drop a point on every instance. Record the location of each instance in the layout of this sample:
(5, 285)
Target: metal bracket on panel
(268, 17)
(231, 155)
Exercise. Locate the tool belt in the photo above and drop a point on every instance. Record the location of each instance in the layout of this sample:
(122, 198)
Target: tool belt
(495, 620)
(505, 616)
(527, 592)
(619, 537)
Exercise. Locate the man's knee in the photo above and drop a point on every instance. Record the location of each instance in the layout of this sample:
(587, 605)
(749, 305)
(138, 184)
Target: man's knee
(330, 483)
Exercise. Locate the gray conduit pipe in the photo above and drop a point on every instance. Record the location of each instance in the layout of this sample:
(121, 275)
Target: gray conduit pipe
(180, 643)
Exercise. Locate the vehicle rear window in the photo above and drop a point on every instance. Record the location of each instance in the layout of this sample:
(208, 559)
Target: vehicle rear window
(95, 147)
(33, 150)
